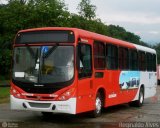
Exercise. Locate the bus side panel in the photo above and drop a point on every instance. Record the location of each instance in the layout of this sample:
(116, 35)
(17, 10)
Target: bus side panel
(149, 80)
(115, 94)
(85, 98)
(111, 79)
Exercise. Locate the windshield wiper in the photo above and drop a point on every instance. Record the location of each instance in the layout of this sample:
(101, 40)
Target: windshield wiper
(30, 50)
(46, 55)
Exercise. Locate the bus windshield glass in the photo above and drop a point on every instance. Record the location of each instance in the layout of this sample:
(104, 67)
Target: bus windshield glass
(34, 37)
(43, 64)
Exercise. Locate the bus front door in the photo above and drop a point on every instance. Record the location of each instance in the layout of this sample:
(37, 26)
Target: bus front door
(85, 82)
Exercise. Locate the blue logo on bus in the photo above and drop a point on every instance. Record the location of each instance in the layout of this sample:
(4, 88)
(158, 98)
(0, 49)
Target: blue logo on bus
(44, 49)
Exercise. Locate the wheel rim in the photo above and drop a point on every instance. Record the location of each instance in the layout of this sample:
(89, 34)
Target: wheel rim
(98, 105)
(141, 97)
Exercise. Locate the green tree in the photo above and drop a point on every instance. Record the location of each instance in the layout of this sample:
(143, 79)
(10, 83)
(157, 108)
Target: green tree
(47, 13)
(121, 33)
(86, 9)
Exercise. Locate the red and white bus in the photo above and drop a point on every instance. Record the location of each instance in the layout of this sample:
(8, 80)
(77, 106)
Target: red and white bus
(69, 70)
(158, 74)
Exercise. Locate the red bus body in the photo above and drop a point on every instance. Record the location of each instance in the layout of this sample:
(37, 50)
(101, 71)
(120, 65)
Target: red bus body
(81, 94)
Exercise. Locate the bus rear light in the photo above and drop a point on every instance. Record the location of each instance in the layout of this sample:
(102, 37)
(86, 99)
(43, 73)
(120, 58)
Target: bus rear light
(15, 93)
(66, 95)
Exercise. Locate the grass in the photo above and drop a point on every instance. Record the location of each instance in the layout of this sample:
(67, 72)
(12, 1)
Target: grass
(4, 82)
(4, 94)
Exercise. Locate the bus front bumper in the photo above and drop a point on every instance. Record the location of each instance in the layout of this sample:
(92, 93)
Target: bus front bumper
(68, 106)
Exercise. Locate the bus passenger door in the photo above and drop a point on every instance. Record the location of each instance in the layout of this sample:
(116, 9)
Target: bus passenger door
(84, 87)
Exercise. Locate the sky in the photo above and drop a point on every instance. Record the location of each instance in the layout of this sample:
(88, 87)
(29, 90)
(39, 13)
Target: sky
(141, 17)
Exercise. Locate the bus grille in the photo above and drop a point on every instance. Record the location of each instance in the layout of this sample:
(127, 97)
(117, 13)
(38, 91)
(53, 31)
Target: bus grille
(39, 105)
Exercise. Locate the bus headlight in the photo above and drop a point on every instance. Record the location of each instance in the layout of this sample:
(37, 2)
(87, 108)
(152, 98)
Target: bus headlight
(66, 95)
(15, 93)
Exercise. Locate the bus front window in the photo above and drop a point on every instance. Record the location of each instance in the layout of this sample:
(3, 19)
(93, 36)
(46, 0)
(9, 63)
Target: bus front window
(43, 64)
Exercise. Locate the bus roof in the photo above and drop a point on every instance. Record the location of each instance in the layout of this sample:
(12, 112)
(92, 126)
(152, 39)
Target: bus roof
(91, 35)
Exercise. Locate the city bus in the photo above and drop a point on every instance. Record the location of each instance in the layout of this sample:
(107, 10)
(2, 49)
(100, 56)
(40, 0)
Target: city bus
(71, 71)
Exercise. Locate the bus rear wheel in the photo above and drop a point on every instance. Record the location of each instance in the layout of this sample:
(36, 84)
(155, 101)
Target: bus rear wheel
(139, 102)
(98, 106)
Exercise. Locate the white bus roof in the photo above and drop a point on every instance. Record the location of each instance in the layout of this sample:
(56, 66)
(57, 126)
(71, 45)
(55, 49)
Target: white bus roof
(145, 49)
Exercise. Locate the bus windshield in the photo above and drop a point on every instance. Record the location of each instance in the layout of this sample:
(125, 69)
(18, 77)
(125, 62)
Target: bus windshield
(43, 64)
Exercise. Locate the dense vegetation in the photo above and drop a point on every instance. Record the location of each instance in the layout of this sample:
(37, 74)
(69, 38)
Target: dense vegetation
(24, 14)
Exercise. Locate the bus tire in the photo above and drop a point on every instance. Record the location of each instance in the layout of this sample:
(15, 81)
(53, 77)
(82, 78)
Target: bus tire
(98, 106)
(139, 102)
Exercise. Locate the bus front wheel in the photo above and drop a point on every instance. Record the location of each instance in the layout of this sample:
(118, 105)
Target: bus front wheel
(98, 106)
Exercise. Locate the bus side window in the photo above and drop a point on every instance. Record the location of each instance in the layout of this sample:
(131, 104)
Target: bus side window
(84, 61)
(99, 55)
(133, 54)
(111, 57)
(154, 68)
(149, 61)
(142, 61)
(123, 58)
